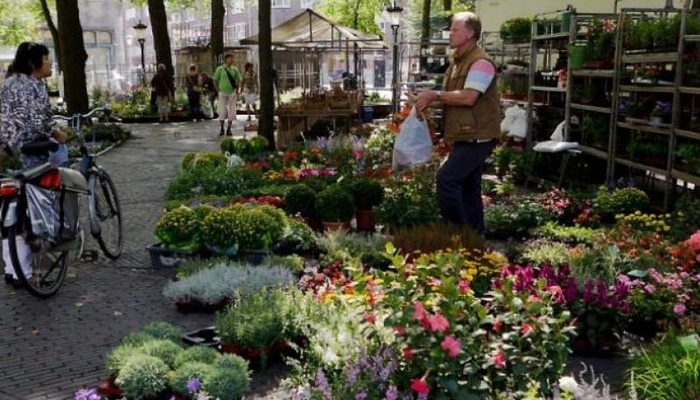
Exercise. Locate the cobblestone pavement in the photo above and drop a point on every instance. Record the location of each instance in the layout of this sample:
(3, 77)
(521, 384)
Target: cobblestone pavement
(50, 348)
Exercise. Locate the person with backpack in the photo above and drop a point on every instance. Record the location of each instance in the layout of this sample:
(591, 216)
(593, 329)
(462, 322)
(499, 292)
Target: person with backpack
(227, 80)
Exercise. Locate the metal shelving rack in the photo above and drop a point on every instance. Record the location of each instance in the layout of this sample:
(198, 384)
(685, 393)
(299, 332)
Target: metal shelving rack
(670, 176)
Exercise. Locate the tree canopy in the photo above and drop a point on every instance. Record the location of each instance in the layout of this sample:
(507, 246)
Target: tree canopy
(18, 21)
(356, 14)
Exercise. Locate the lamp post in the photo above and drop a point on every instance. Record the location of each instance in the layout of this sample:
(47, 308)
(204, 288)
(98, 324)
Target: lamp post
(140, 30)
(395, 17)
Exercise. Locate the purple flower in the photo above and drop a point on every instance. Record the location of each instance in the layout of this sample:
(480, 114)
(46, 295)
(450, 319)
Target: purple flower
(87, 394)
(193, 385)
(322, 384)
(391, 393)
(361, 396)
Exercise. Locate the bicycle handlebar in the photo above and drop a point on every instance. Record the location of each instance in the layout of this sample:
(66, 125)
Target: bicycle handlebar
(90, 113)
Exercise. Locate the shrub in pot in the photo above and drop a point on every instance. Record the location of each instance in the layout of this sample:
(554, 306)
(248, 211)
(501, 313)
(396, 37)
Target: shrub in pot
(335, 204)
(231, 379)
(178, 229)
(366, 193)
(163, 330)
(204, 354)
(143, 376)
(258, 227)
(219, 229)
(190, 370)
(300, 199)
(162, 349)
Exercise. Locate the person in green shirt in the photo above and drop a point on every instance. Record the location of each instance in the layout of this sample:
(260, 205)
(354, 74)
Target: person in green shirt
(227, 81)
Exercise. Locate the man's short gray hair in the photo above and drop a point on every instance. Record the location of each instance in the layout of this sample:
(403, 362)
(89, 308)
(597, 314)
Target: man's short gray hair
(471, 20)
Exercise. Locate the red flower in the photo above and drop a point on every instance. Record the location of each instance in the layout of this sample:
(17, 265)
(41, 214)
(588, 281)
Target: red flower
(399, 330)
(499, 359)
(407, 353)
(451, 346)
(438, 323)
(497, 325)
(371, 318)
(419, 386)
(526, 328)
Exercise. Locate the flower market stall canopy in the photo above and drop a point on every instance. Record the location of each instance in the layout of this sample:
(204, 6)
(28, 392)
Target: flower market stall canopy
(311, 30)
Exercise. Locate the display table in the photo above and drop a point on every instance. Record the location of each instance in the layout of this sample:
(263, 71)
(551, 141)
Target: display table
(292, 122)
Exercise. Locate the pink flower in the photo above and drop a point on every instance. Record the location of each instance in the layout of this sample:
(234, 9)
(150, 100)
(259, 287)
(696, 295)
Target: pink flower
(497, 324)
(649, 289)
(463, 286)
(499, 359)
(371, 318)
(526, 329)
(679, 309)
(451, 346)
(438, 323)
(419, 386)
(419, 314)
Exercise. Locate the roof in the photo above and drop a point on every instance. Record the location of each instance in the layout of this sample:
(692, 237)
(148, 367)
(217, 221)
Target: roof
(309, 29)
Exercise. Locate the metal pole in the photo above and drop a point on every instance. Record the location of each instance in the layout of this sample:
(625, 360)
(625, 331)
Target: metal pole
(143, 62)
(395, 83)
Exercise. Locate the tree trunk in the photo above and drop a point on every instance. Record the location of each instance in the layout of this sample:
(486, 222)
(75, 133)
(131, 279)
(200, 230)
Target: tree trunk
(218, 11)
(54, 33)
(266, 127)
(425, 32)
(161, 38)
(447, 5)
(73, 55)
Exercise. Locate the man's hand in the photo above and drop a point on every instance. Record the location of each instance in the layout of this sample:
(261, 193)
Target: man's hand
(424, 98)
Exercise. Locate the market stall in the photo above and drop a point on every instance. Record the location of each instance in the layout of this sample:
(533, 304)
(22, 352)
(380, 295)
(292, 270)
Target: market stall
(312, 33)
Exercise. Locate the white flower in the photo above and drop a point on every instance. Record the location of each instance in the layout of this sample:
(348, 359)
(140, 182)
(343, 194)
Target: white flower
(568, 384)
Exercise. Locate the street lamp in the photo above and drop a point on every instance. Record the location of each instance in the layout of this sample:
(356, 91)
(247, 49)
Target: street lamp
(395, 17)
(140, 30)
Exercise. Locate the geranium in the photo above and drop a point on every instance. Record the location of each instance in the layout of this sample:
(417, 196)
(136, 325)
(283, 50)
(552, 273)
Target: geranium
(451, 346)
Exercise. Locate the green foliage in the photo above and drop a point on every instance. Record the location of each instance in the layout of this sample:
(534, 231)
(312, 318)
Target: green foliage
(619, 201)
(668, 370)
(230, 380)
(118, 356)
(163, 330)
(142, 376)
(205, 160)
(137, 338)
(19, 20)
(203, 354)
(516, 218)
(219, 229)
(190, 370)
(106, 133)
(517, 30)
(600, 262)
(409, 202)
(335, 204)
(300, 200)
(165, 350)
(546, 252)
(567, 234)
(367, 193)
(191, 267)
(688, 216)
(179, 228)
(217, 181)
(256, 321)
(356, 14)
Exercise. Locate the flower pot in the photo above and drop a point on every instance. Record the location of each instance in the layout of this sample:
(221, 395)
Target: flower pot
(656, 121)
(365, 220)
(108, 388)
(335, 226)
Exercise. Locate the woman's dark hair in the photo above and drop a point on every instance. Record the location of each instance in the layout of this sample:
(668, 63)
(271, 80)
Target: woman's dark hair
(29, 57)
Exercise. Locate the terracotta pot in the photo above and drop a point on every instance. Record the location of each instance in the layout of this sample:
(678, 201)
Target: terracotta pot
(335, 226)
(108, 388)
(365, 220)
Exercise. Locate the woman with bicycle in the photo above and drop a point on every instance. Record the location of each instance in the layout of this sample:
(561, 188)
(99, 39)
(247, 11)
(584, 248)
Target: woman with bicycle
(25, 120)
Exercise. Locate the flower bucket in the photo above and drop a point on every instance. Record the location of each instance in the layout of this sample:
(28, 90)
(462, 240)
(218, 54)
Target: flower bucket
(578, 55)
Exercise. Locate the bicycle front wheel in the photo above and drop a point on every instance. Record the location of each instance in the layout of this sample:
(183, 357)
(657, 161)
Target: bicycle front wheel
(46, 264)
(105, 214)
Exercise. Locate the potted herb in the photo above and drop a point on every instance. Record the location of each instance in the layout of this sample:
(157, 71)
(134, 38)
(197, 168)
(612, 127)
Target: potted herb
(335, 207)
(143, 376)
(255, 324)
(516, 30)
(366, 193)
(690, 156)
(595, 129)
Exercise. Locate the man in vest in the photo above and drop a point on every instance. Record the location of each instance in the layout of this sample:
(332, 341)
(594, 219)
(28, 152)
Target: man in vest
(227, 80)
(471, 113)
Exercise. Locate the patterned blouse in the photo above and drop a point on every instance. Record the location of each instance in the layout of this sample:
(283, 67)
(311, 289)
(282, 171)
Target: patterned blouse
(25, 115)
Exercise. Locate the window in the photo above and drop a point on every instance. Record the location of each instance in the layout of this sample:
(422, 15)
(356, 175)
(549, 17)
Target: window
(281, 4)
(240, 30)
(104, 37)
(89, 37)
(307, 3)
(175, 17)
(237, 6)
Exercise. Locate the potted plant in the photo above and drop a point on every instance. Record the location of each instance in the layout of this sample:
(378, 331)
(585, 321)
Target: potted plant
(661, 113)
(300, 199)
(143, 376)
(254, 325)
(335, 207)
(588, 94)
(366, 193)
(601, 41)
(690, 157)
(596, 129)
(516, 30)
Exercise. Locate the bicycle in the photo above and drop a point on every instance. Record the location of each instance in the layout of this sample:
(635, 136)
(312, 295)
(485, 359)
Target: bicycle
(51, 239)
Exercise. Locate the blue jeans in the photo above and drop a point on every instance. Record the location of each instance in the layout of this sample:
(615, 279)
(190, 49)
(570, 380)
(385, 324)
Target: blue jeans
(459, 184)
(193, 100)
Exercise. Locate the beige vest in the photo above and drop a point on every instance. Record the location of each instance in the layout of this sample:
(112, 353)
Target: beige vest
(481, 121)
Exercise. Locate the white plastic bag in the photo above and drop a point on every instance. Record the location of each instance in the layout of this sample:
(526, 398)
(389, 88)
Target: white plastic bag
(413, 145)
